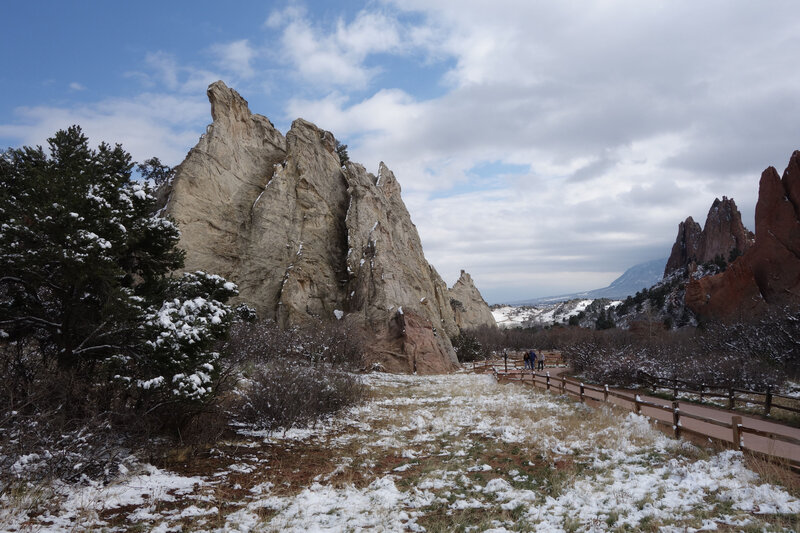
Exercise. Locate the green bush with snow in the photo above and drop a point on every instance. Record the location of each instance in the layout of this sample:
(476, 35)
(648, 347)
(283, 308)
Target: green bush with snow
(86, 281)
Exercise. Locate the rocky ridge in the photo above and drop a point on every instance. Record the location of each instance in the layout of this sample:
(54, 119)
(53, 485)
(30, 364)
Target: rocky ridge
(768, 273)
(722, 236)
(306, 237)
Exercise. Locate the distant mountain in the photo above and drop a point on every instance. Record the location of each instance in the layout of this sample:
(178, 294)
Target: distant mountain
(636, 278)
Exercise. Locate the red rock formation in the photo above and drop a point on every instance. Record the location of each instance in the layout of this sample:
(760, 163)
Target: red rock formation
(723, 233)
(686, 246)
(418, 344)
(769, 272)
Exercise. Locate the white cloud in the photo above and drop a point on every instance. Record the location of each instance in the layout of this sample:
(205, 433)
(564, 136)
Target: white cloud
(146, 126)
(165, 68)
(631, 116)
(625, 117)
(235, 57)
(75, 86)
(164, 71)
(336, 57)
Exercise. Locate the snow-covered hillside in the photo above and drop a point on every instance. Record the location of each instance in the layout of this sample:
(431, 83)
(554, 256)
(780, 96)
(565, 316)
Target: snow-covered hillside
(545, 315)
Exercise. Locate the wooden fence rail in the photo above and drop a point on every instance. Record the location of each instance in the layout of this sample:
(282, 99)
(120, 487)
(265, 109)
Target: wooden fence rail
(581, 391)
(702, 390)
(718, 391)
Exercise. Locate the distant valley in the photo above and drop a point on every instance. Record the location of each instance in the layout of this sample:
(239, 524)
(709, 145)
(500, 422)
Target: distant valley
(636, 278)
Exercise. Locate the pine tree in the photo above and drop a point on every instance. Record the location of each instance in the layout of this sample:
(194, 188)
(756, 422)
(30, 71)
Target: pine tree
(84, 265)
(341, 151)
(604, 320)
(152, 169)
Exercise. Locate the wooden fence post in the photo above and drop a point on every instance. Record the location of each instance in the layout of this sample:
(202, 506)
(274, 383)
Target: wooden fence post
(674, 388)
(605, 393)
(563, 384)
(736, 421)
(768, 401)
(676, 420)
(583, 400)
(548, 381)
(731, 399)
(637, 408)
(702, 386)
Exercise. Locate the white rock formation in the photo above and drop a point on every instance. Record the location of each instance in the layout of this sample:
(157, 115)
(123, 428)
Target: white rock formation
(470, 309)
(304, 236)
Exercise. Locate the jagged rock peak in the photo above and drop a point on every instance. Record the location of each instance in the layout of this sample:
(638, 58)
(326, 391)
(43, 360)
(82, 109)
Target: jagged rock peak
(686, 247)
(310, 133)
(470, 309)
(386, 181)
(305, 237)
(226, 103)
(769, 271)
(723, 236)
(724, 232)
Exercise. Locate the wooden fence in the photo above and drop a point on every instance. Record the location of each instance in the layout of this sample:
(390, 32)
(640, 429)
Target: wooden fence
(732, 432)
(731, 395)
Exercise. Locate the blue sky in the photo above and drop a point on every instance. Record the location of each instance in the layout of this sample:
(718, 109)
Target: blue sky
(542, 146)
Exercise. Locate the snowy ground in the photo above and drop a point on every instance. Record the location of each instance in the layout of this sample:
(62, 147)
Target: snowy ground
(456, 452)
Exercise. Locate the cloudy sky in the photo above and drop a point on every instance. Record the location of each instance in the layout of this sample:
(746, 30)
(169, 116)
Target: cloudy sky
(545, 147)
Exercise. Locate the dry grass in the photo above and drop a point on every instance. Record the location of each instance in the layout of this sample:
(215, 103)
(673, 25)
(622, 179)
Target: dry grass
(775, 472)
(412, 433)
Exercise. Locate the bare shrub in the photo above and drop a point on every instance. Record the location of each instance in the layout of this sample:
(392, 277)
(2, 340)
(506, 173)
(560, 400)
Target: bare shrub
(292, 377)
(292, 393)
(335, 343)
(749, 355)
(54, 423)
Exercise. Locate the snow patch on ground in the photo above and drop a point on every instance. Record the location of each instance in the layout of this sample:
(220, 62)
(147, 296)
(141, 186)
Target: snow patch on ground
(445, 445)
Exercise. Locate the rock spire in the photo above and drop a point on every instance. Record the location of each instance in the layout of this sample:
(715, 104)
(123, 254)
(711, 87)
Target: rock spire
(723, 236)
(307, 237)
(470, 308)
(769, 271)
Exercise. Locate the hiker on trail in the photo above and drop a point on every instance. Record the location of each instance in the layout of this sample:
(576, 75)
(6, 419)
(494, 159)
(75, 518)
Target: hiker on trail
(532, 356)
(541, 361)
(527, 359)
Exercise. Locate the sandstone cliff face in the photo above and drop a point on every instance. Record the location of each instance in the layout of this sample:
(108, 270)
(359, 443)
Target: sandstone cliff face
(769, 272)
(304, 236)
(722, 234)
(470, 309)
(220, 179)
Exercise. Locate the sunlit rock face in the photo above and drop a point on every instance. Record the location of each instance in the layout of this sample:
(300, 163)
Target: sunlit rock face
(769, 271)
(307, 237)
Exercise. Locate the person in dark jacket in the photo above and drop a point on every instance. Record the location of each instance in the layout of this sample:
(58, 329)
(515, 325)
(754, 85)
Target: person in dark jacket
(532, 357)
(527, 359)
